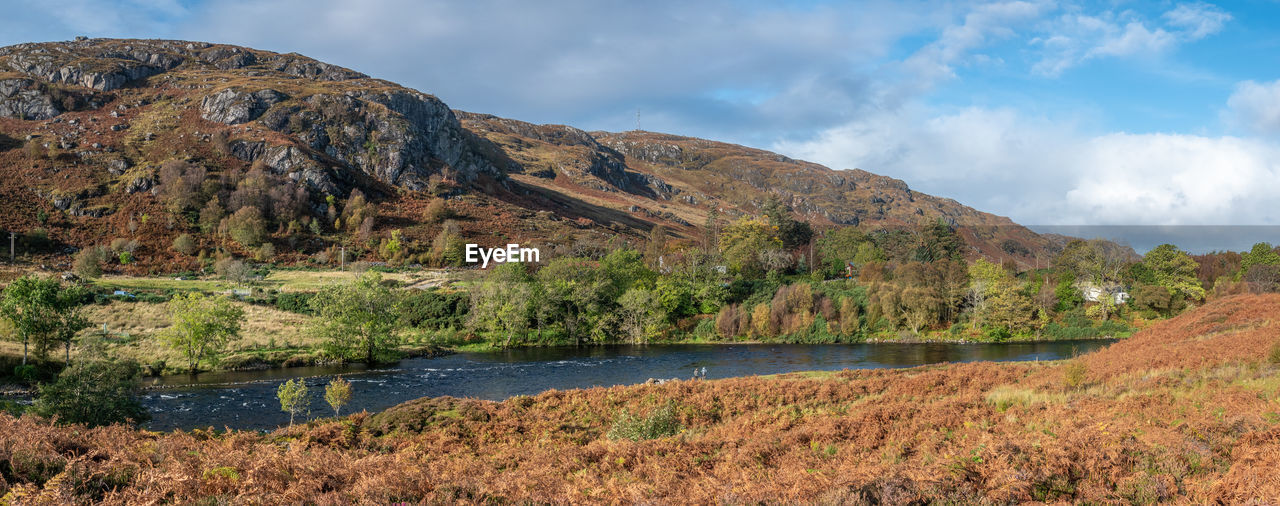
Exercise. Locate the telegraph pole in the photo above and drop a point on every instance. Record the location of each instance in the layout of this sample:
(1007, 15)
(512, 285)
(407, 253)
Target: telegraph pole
(11, 238)
(342, 259)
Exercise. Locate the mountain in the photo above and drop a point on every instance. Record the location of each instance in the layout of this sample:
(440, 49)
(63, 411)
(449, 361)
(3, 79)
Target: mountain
(130, 139)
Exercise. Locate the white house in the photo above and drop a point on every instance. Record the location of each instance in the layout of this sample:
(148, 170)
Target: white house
(1095, 293)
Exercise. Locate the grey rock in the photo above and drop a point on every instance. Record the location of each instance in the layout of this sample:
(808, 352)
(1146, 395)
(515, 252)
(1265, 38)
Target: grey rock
(233, 107)
(23, 99)
(139, 184)
(117, 166)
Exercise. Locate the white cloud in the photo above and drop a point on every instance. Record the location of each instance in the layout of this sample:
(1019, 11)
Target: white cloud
(1199, 20)
(1256, 107)
(982, 25)
(1048, 172)
(1074, 38)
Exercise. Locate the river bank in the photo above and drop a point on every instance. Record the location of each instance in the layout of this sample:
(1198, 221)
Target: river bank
(1181, 412)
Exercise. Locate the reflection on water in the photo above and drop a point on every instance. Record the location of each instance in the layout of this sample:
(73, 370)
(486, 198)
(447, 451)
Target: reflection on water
(246, 399)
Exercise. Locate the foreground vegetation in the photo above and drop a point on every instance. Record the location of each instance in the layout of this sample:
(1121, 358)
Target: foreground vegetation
(1185, 410)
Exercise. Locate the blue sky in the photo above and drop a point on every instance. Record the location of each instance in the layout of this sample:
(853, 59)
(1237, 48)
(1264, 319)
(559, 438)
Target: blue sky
(1098, 113)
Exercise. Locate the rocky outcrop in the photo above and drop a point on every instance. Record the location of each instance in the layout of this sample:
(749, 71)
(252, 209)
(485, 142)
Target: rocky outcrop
(398, 136)
(232, 107)
(23, 99)
(597, 166)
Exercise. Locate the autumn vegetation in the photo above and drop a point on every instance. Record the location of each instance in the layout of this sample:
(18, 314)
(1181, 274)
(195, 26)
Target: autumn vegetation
(1183, 411)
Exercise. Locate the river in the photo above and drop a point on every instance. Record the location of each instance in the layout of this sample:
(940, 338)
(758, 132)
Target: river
(247, 399)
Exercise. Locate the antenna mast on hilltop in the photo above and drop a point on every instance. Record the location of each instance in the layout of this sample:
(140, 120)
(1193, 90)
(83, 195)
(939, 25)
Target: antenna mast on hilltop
(637, 119)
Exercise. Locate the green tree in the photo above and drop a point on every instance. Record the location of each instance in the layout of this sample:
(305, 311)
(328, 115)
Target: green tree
(741, 244)
(337, 393)
(791, 232)
(184, 244)
(939, 242)
(202, 326)
(638, 313)
(1174, 270)
(502, 305)
(95, 393)
(247, 226)
(578, 294)
(841, 245)
(1260, 254)
(42, 313)
(293, 398)
(88, 262)
(352, 319)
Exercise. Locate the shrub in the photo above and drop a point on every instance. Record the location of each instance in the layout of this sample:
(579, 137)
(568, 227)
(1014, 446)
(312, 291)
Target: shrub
(661, 422)
(294, 302)
(122, 245)
(1075, 374)
(88, 262)
(232, 269)
(184, 244)
(437, 211)
(1273, 355)
(266, 252)
(95, 393)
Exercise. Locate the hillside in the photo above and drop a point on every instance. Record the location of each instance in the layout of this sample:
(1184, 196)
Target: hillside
(132, 139)
(1184, 411)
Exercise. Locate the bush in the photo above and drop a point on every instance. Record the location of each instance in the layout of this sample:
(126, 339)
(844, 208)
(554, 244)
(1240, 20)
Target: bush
(88, 262)
(98, 392)
(1273, 356)
(295, 302)
(1075, 374)
(184, 244)
(435, 309)
(661, 422)
(266, 252)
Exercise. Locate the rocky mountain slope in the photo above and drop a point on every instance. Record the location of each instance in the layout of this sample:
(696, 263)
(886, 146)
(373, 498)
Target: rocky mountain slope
(107, 138)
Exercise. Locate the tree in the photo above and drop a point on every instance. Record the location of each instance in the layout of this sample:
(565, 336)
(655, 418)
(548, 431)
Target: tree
(352, 319)
(791, 232)
(840, 246)
(1261, 254)
(210, 215)
(637, 313)
(202, 326)
(337, 393)
(247, 226)
(743, 240)
(88, 262)
(184, 244)
(179, 183)
(578, 293)
(232, 270)
(42, 313)
(447, 247)
(95, 393)
(1174, 270)
(502, 306)
(939, 242)
(293, 398)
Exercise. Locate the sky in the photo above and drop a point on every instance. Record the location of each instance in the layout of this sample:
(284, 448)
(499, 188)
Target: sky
(1051, 113)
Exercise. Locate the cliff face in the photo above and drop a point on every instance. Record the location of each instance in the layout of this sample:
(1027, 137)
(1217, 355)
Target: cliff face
(92, 122)
(331, 118)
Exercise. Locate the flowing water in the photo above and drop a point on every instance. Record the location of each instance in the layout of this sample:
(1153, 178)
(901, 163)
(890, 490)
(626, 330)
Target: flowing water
(247, 399)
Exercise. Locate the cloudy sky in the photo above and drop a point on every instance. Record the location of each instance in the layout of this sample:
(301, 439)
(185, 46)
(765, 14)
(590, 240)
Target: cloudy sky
(1107, 113)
